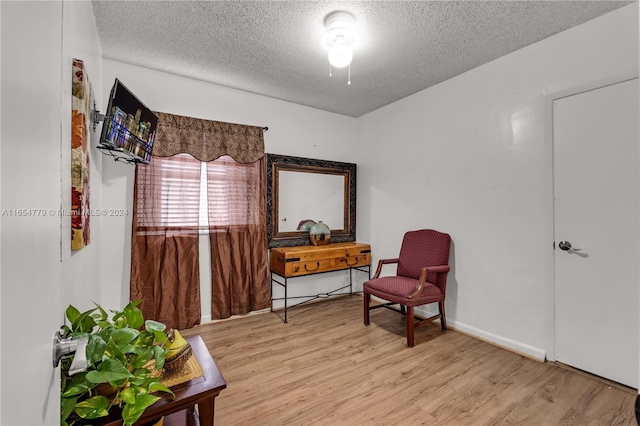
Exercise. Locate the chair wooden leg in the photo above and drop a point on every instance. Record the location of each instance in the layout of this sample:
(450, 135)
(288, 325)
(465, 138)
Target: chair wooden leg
(410, 324)
(443, 318)
(366, 301)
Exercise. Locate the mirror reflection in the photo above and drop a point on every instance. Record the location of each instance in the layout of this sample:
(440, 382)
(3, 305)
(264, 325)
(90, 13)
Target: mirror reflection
(310, 196)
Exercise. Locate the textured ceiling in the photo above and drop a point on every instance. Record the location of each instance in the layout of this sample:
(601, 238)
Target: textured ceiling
(272, 48)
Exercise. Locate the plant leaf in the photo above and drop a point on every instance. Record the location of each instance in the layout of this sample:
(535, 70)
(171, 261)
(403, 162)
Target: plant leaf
(109, 370)
(129, 349)
(103, 313)
(159, 356)
(106, 376)
(118, 319)
(75, 390)
(159, 336)
(157, 328)
(104, 324)
(140, 376)
(93, 407)
(151, 325)
(143, 358)
(128, 396)
(123, 336)
(133, 315)
(84, 323)
(132, 412)
(144, 340)
(76, 386)
(66, 407)
(95, 349)
(114, 352)
(72, 313)
(158, 386)
(143, 373)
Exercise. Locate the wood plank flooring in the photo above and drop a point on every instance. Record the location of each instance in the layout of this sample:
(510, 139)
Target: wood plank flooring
(326, 368)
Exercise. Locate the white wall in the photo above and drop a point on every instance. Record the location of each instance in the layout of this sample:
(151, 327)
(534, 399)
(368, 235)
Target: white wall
(82, 269)
(39, 275)
(293, 130)
(469, 157)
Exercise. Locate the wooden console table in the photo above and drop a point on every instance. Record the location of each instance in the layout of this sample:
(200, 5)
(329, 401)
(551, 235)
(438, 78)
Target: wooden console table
(290, 262)
(201, 391)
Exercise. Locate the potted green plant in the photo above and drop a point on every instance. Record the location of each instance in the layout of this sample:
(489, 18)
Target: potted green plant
(123, 351)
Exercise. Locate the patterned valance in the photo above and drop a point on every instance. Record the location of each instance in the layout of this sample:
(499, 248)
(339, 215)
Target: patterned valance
(207, 140)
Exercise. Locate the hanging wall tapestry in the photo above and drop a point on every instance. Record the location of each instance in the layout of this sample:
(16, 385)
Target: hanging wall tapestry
(80, 137)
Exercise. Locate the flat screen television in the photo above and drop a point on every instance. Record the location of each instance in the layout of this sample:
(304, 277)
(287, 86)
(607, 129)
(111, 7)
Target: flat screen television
(129, 127)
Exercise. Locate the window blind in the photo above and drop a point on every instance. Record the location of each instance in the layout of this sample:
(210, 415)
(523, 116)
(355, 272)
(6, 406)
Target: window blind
(168, 193)
(231, 193)
(182, 192)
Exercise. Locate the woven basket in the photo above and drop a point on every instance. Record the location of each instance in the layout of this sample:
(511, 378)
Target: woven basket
(177, 362)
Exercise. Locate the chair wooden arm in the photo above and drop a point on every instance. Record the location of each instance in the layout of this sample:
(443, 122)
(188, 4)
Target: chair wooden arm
(383, 262)
(423, 278)
(440, 268)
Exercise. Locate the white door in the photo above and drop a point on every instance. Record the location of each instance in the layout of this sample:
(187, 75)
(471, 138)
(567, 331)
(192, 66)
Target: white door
(30, 230)
(596, 190)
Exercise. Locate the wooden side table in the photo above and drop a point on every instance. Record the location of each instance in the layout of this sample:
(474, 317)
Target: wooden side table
(201, 391)
(291, 262)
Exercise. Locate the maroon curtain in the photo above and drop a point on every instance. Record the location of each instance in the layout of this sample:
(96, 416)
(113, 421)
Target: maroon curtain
(164, 247)
(238, 237)
(165, 271)
(207, 140)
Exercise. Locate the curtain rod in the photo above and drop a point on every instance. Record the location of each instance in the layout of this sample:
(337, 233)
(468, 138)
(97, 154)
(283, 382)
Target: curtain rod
(265, 128)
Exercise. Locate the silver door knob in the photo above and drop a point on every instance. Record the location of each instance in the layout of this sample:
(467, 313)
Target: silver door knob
(566, 246)
(66, 346)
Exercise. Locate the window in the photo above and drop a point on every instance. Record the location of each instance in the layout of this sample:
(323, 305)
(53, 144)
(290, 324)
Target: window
(231, 192)
(182, 192)
(167, 193)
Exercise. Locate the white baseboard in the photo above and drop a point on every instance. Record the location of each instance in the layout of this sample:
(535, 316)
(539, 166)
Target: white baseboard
(508, 344)
(502, 342)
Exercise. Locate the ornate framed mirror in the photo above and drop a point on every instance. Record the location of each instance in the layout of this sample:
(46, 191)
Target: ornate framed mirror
(302, 189)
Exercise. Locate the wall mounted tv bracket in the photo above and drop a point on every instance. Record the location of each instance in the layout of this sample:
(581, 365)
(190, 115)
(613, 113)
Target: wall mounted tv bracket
(118, 154)
(96, 117)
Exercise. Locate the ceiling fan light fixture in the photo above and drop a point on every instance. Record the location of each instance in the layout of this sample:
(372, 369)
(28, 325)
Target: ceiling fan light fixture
(340, 56)
(339, 38)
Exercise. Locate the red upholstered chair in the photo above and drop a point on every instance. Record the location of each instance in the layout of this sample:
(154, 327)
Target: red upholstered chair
(421, 278)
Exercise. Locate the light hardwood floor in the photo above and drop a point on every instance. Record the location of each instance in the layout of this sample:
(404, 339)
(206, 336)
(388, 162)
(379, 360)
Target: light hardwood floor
(326, 368)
